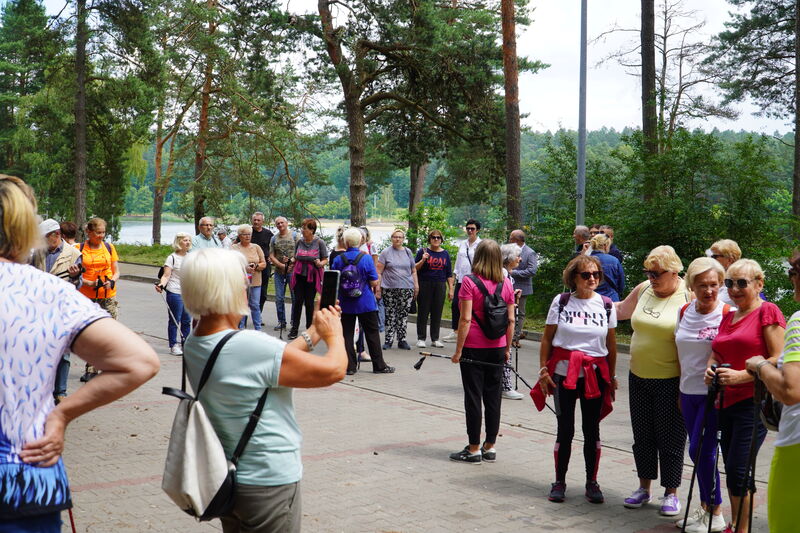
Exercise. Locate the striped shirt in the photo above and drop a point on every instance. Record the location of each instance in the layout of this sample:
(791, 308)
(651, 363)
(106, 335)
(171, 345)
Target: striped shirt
(789, 429)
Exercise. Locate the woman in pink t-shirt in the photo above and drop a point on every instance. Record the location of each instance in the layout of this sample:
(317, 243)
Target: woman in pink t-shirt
(482, 383)
(756, 328)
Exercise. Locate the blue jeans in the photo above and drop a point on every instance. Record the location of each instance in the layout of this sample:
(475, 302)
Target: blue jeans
(253, 295)
(62, 373)
(175, 303)
(281, 282)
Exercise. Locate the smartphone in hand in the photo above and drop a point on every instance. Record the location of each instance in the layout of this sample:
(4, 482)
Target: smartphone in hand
(330, 288)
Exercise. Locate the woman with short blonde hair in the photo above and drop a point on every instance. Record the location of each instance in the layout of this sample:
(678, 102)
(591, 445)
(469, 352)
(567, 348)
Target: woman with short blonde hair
(756, 328)
(170, 283)
(256, 263)
(727, 252)
(653, 383)
(20, 232)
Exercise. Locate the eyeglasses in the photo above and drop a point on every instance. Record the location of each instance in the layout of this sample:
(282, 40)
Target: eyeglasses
(593, 233)
(587, 275)
(206, 225)
(469, 228)
(740, 283)
(716, 256)
(653, 275)
(435, 238)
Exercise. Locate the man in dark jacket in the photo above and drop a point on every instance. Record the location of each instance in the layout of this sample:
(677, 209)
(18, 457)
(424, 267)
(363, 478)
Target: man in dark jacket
(523, 276)
(262, 237)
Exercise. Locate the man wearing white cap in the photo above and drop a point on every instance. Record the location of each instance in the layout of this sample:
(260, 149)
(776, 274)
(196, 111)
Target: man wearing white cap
(63, 261)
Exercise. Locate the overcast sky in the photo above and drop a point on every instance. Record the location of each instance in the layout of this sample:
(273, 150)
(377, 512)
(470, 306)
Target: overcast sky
(550, 97)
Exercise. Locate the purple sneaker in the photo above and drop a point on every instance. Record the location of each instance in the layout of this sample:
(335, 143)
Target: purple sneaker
(670, 505)
(637, 499)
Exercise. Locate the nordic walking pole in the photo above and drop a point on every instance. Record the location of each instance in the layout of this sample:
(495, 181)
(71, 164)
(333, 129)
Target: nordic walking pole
(419, 363)
(180, 332)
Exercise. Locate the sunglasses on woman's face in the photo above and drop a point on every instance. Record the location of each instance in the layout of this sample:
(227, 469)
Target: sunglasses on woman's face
(740, 283)
(435, 238)
(653, 275)
(587, 275)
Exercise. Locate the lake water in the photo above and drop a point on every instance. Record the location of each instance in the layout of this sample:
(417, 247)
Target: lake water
(141, 231)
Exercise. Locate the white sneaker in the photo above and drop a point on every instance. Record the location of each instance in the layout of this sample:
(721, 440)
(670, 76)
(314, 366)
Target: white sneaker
(437, 344)
(717, 524)
(693, 518)
(176, 350)
(450, 337)
(512, 395)
(422, 344)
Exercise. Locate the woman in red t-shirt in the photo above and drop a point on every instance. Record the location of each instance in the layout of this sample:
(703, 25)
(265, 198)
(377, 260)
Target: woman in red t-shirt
(756, 328)
(482, 382)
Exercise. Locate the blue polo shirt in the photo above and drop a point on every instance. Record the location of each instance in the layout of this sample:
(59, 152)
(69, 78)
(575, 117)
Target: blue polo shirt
(366, 268)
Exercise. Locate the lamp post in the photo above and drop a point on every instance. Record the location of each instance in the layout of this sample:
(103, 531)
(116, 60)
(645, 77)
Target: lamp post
(580, 197)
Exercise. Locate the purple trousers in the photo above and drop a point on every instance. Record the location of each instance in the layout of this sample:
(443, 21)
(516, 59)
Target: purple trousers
(693, 408)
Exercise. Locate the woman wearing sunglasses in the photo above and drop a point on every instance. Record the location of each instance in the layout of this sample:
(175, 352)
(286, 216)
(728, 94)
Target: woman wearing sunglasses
(659, 435)
(578, 357)
(782, 381)
(435, 272)
(756, 328)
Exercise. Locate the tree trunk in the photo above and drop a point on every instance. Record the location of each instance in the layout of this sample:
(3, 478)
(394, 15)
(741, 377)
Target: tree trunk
(202, 133)
(81, 37)
(357, 142)
(417, 174)
(510, 71)
(796, 170)
(158, 185)
(649, 105)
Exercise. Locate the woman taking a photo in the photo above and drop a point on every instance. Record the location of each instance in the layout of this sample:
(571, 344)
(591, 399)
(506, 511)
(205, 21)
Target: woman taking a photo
(578, 359)
(756, 328)
(782, 379)
(269, 471)
(659, 436)
(435, 273)
(397, 274)
(310, 256)
(170, 283)
(698, 324)
(482, 383)
(256, 263)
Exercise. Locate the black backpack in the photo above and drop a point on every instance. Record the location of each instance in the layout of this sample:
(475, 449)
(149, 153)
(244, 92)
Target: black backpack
(495, 310)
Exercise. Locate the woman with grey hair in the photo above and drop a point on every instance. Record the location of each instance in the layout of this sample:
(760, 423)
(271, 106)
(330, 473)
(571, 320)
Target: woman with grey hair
(256, 263)
(511, 259)
(268, 495)
(170, 283)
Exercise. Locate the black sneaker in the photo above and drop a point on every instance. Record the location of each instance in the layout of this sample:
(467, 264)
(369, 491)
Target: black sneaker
(489, 455)
(350, 372)
(593, 492)
(557, 491)
(292, 334)
(387, 345)
(384, 370)
(466, 456)
(403, 345)
(279, 327)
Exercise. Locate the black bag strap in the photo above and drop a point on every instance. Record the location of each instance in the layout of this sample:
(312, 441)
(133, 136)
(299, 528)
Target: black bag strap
(211, 360)
(252, 422)
(563, 300)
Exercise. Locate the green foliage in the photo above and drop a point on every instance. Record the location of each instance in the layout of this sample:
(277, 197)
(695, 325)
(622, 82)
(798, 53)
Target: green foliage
(147, 255)
(426, 219)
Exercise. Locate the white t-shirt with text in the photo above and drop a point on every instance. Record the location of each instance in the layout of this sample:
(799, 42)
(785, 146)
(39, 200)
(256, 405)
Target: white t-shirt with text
(582, 326)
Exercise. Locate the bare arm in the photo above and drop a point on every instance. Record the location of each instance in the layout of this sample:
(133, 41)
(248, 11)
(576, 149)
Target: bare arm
(164, 279)
(773, 336)
(125, 361)
(510, 329)
(611, 345)
(625, 307)
(262, 262)
(545, 348)
(464, 323)
(301, 369)
(784, 383)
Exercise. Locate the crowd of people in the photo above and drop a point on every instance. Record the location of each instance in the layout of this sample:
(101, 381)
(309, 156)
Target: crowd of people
(701, 339)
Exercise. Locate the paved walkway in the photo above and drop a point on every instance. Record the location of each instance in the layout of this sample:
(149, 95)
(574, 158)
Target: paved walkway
(375, 454)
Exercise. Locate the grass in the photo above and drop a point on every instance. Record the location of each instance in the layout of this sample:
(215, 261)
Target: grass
(139, 253)
(155, 255)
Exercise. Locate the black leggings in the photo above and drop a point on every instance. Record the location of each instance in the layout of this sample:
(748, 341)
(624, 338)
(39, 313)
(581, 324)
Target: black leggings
(482, 382)
(369, 326)
(565, 400)
(430, 301)
(736, 426)
(303, 296)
